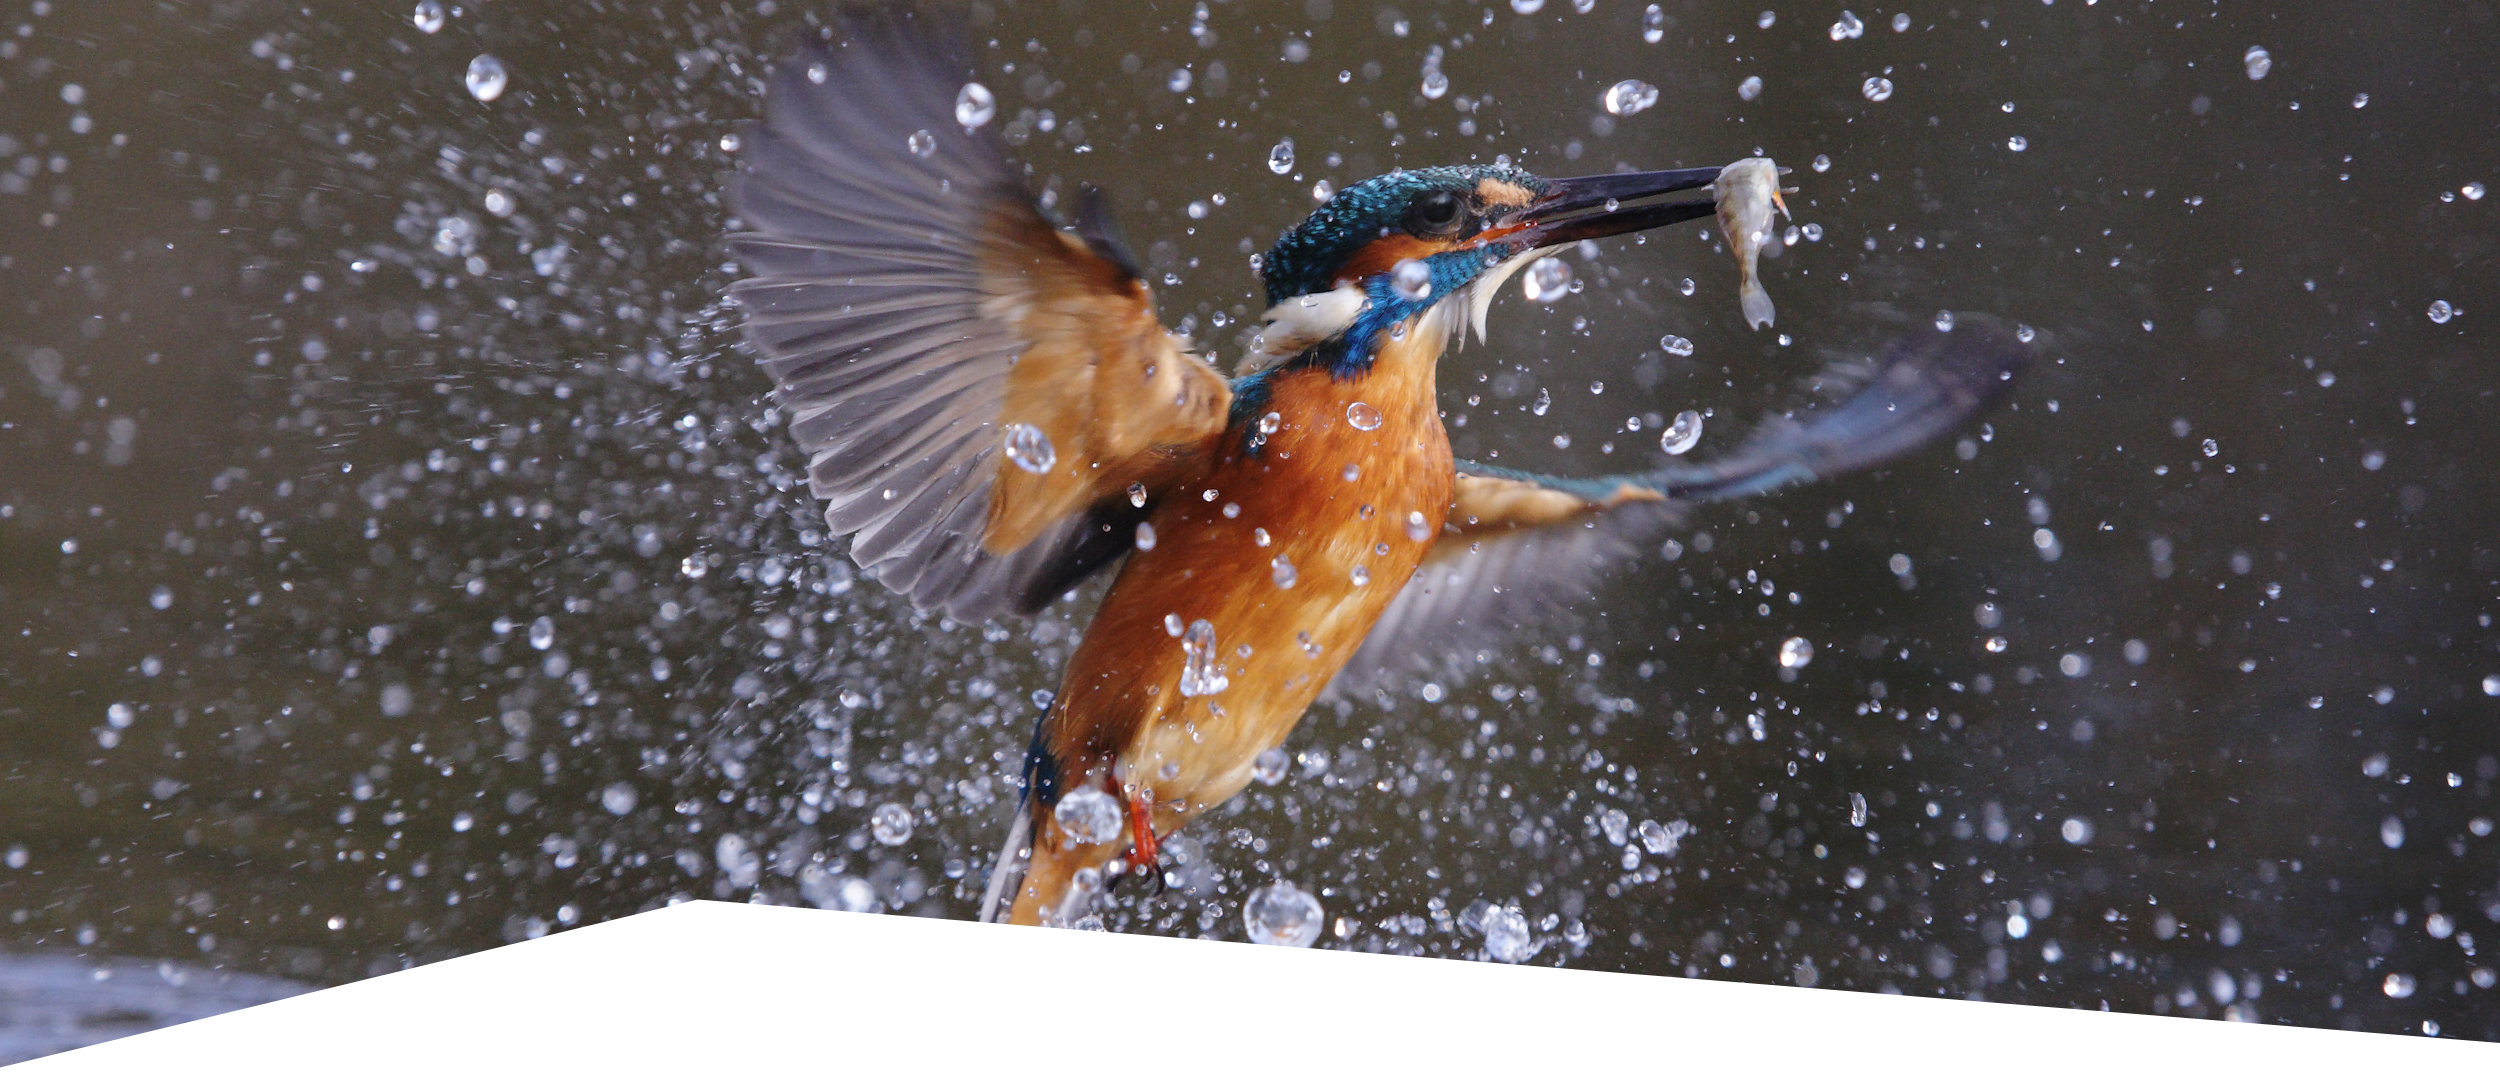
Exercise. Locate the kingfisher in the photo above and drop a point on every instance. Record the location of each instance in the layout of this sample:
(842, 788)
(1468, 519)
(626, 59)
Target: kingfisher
(993, 413)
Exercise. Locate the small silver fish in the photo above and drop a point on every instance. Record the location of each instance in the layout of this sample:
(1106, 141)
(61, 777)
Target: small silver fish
(1747, 191)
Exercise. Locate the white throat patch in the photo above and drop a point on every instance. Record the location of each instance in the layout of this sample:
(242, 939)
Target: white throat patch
(1304, 321)
(1299, 323)
(1480, 293)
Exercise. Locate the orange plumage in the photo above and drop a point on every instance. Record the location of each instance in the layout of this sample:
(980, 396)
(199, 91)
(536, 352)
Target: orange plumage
(1343, 514)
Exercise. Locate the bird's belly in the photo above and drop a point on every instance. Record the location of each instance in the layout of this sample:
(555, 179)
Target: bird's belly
(1289, 563)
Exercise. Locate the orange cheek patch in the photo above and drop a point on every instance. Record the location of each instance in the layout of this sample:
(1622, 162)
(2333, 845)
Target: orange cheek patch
(1388, 251)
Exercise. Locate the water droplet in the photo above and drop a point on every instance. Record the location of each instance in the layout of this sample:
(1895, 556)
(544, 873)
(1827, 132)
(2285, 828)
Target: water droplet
(1766, 20)
(1876, 88)
(1750, 89)
(1362, 416)
(120, 714)
(1270, 422)
(1857, 810)
(975, 105)
(1434, 85)
(2360, 101)
(1030, 449)
(2473, 191)
(1848, 27)
(1089, 816)
(1662, 840)
(1527, 7)
(1901, 23)
(2440, 312)
(1543, 402)
(890, 823)
(1676, 346)
(1271, 765)
(2391, 831)
(1280, 157)
(542, 633)
(1411, 279)
(1282, 570)
(1361, 576)
(1944, 320)
(2076, 830)
(2212, 447)
(1180, 80)
(1506, 936)
(1280, 914)
(2017, 143)
(1172, 625)
(2397, 985)
(1547, 279)
(619, 798)
(486, 77)
(922, 143)
(2258, 61)
(1795, 653)
(1145, 537)
(2491, 686)
(1822, 163)
(462, 822)
(429, 16)
(1685, 432)
(1202, 671)
(1630, 96)
(1417, 529)
(1137, 495)
(1321, 190)
(1653, 25)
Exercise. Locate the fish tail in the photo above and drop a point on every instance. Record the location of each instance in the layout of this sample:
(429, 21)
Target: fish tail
(1757, 303)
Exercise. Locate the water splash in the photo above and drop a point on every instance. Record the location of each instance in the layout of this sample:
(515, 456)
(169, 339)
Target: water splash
(1202, 671)
(975, 105)
(1684, 432)
(1089, 816)
(1547, 280)
(487, 77)
(1030, 449)
(1280, 913)
(1630, 96)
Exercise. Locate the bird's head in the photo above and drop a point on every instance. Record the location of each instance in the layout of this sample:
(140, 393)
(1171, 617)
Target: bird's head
(1438, 242)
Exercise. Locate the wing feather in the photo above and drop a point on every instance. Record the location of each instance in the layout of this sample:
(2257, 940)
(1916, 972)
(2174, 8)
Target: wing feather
(911, 303)
(1520, 546)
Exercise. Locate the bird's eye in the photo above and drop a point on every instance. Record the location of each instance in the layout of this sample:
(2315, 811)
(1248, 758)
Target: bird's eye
(1435, 214)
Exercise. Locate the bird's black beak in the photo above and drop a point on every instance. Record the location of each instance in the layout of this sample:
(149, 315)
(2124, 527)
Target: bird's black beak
(1588, 207)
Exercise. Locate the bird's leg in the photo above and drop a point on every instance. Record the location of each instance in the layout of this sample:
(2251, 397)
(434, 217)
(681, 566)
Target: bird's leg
(1143, 845)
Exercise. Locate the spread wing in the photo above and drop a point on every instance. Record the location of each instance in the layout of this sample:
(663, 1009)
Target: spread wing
(976, 390)
(1519, 546)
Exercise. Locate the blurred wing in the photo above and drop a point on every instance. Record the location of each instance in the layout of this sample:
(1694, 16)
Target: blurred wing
(975, 389)
(1520, 546)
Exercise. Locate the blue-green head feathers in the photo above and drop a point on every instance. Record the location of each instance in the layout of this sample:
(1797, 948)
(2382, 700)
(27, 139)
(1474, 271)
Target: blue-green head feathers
(1445, 204)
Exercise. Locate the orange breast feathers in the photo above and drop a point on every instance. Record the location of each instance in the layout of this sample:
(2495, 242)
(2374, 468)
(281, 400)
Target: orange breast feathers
(1288, 556)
